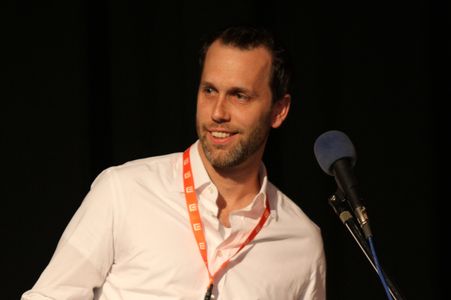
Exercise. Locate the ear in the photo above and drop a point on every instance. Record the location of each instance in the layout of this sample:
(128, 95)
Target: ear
(280, 111)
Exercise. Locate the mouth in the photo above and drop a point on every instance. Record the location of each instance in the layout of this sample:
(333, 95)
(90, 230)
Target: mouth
(220, 134)
(221, 137)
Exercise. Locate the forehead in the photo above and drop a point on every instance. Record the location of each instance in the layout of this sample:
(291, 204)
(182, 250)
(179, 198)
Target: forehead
(227, 63)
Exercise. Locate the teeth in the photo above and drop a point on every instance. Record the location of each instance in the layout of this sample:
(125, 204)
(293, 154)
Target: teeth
(218, 134)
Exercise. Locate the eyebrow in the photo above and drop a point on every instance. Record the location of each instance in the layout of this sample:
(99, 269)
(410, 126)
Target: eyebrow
(232, 90)
(235, 90)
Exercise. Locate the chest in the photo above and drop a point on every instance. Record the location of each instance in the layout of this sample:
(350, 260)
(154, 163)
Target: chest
(155, 250)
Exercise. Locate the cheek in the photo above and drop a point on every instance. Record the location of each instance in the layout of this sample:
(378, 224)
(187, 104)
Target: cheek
(254, 118)
(245, 120)
(201, 110)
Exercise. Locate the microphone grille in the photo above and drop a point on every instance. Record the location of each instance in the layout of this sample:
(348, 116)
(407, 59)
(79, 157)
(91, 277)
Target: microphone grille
(332, 146)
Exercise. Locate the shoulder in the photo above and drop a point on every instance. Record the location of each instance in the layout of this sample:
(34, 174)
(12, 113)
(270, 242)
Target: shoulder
(291, 215)
(300, 238)
(156, 163)
(143, 170)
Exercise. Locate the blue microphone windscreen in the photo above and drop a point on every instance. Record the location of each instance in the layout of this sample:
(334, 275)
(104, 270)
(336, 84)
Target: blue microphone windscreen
(332, 146)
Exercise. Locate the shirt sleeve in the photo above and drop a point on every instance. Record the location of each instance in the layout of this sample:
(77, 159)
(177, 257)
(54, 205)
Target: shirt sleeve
(316, 287)
(85, 251)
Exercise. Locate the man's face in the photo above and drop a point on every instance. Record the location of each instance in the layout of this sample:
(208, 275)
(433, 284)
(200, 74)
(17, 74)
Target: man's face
(234, 106)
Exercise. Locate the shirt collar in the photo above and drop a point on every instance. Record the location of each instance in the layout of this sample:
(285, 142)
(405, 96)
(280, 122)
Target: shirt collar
(202, 180)
(258, 204)
(200, 175)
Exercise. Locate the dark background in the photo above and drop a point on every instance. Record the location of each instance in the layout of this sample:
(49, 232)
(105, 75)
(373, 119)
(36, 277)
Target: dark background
(91, 84)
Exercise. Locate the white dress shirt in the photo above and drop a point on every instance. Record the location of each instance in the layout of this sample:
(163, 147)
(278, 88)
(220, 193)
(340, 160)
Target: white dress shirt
(131, 239)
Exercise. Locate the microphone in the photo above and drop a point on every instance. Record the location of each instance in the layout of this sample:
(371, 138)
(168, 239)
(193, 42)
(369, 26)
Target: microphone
(336, 156)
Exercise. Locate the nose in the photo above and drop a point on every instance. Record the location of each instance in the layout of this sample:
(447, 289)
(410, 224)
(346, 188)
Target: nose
(220, 112)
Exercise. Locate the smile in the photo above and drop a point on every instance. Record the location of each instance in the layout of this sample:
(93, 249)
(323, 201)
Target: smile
(220, 134)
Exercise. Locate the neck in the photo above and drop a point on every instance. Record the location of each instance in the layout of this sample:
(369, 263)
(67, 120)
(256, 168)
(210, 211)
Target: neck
(236, 186)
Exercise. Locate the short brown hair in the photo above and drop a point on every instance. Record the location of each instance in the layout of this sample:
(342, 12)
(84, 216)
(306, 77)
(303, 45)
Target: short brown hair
(247, 38)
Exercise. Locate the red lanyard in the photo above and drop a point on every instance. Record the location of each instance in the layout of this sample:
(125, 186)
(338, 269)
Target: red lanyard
(196, 221)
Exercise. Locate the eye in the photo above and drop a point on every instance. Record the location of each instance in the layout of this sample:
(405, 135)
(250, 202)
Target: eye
(208, 90)
(241, 96)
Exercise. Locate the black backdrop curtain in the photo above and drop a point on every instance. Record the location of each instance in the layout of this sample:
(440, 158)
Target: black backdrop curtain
(91, 84)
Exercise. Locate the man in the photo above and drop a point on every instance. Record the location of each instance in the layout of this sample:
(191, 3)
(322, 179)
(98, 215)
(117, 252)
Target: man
(206, 222)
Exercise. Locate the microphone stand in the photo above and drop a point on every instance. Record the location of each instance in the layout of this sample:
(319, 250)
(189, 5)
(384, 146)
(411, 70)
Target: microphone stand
(339, 205)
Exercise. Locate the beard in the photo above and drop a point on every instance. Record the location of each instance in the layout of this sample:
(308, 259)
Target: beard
(222, 158)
